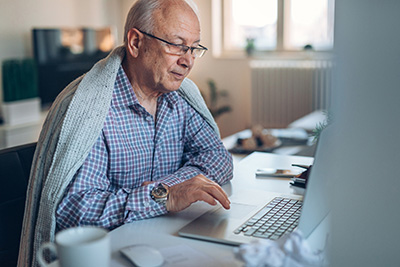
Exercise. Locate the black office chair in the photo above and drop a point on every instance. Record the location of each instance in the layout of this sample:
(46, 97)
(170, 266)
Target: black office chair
(15, 166)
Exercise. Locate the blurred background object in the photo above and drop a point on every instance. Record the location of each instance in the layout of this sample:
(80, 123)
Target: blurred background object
(20, 91)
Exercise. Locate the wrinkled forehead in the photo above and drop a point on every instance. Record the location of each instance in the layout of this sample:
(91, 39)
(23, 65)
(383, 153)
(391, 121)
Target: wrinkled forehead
(176, 17)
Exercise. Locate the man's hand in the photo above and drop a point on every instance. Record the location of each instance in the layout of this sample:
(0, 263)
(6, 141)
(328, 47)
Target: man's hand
(198, 188)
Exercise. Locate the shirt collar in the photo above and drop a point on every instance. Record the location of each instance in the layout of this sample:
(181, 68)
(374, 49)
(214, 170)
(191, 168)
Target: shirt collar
(123, 94)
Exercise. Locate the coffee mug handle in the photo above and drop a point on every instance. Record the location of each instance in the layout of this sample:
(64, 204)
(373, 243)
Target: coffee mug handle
(48, 245)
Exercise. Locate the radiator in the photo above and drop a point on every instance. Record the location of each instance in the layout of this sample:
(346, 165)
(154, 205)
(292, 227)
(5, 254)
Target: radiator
(283, 91)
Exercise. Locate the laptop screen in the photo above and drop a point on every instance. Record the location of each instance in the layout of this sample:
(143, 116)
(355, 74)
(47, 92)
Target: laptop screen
(316, 202)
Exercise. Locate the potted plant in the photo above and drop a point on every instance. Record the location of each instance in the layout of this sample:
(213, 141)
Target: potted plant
(250, 46)
(212, 101)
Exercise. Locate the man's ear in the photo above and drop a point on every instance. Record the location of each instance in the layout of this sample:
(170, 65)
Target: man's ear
(133, 42)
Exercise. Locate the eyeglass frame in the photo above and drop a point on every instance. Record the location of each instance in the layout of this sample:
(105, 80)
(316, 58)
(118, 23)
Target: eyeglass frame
(184, 48)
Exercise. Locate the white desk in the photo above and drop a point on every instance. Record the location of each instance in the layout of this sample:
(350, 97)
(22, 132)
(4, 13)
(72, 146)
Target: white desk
(161, 232)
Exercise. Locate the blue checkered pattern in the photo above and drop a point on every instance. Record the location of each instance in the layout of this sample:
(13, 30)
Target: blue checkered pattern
(133, 148)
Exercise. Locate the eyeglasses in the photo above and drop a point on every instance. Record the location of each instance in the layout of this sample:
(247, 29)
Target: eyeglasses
(180, 49)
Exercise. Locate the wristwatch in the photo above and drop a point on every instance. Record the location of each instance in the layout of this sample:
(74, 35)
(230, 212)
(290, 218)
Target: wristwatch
(160, 194)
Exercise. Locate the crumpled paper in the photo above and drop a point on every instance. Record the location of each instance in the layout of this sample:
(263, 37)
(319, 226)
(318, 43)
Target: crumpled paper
(290, 251)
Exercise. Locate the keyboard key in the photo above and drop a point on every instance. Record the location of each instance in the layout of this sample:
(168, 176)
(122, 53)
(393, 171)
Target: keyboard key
(250, 232)
(261, 235)
(261, 213)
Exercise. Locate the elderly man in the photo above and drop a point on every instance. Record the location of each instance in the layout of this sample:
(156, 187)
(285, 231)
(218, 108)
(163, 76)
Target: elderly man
(131, 139)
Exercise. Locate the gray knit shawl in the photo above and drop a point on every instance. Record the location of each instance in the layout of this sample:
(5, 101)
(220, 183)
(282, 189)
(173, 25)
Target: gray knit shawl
(72, 126)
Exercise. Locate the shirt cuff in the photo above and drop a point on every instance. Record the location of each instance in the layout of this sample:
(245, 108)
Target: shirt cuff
(183, 174)
(142, 206)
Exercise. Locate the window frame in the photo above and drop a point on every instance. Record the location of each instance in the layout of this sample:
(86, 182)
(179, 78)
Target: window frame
(219, 27)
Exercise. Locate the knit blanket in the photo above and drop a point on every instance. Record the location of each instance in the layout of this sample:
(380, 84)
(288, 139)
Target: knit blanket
(70, 130)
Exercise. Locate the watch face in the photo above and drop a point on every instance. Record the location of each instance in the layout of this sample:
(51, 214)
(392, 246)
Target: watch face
(160, 191)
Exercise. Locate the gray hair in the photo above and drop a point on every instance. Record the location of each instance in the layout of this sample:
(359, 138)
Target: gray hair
(140, 15)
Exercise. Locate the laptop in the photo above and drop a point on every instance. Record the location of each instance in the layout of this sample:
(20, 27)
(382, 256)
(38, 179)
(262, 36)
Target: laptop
(248, 206)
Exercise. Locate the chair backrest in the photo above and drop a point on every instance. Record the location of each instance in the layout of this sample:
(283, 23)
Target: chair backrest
(15, 166)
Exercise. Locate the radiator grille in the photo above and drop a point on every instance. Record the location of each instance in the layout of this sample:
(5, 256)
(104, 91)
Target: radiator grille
(283, 91)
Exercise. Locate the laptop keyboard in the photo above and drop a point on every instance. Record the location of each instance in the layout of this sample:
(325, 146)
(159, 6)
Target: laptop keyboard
(279, 217)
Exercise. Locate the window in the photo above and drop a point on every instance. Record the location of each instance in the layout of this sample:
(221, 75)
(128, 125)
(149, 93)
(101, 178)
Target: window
(277, 25)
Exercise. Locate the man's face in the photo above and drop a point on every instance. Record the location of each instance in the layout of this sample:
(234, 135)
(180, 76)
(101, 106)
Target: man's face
(165, 72)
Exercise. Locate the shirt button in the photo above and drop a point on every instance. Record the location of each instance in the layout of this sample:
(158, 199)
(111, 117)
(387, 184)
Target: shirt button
(149, 118)
(152, 213)
(146, 203)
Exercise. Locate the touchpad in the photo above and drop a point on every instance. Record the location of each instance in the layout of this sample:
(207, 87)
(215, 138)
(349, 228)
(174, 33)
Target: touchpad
(237, 211)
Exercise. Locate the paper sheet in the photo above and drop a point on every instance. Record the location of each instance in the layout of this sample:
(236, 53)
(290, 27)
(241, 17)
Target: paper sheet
(184, 255)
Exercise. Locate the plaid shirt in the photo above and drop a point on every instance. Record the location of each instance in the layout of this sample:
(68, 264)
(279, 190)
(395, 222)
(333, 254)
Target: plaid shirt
(133, 148)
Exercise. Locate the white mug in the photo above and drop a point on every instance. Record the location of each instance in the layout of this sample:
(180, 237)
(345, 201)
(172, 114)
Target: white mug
(84, 246)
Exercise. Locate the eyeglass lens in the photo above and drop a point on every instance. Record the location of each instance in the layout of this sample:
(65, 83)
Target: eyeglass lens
(181, 50)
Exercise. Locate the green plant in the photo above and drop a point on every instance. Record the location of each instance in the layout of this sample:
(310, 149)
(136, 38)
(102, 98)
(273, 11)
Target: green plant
(213, 100)
(250, 46)
(322, 125)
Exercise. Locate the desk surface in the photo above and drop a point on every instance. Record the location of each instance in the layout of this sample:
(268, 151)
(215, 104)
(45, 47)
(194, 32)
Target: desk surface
(161, 232)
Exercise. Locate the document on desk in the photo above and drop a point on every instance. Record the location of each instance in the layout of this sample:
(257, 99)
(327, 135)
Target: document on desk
(184, 255)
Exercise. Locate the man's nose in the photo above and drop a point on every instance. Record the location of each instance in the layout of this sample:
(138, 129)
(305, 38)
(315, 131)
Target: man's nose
(187, 59)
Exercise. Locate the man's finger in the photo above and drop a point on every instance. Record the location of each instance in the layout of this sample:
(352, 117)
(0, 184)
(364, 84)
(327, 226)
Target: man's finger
(216, 192)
